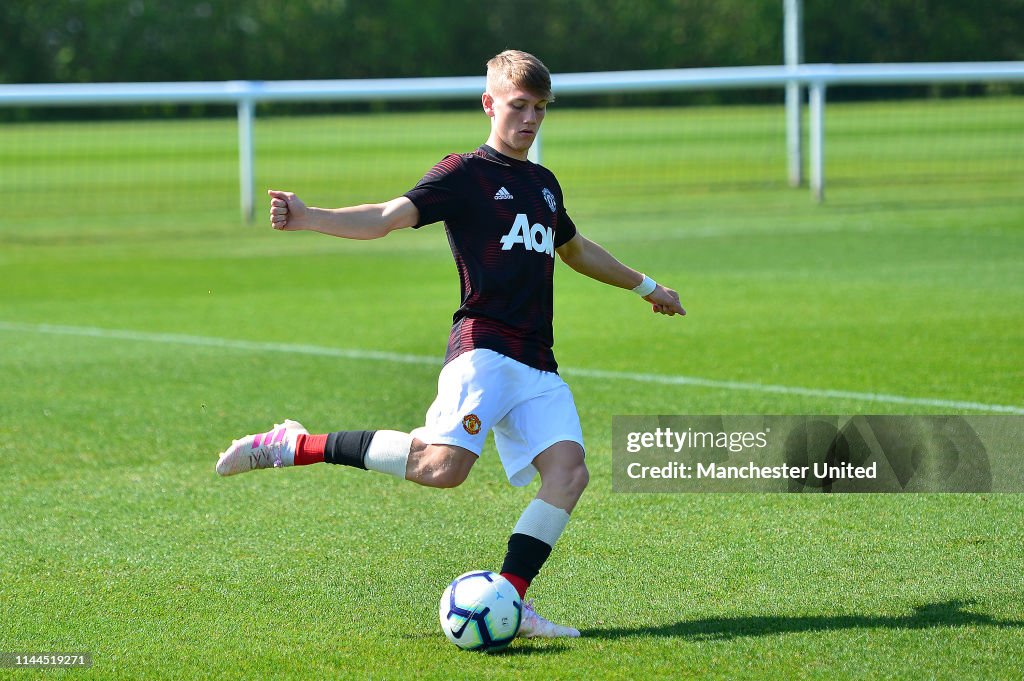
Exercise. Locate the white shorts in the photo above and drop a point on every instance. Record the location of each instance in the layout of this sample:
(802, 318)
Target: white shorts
(528, 409)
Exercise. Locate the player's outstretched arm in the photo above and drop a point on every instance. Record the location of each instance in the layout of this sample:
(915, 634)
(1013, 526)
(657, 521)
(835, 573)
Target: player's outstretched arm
(587, 257)
(368, 221)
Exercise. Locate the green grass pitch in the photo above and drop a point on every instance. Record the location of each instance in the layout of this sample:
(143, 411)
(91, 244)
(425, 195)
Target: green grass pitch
(118, 539)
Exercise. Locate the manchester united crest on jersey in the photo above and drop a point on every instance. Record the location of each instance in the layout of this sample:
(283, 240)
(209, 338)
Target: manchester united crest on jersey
(471, 423)
(550, 199)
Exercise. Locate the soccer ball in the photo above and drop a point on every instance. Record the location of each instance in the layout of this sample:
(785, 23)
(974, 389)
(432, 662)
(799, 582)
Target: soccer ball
(480, 611)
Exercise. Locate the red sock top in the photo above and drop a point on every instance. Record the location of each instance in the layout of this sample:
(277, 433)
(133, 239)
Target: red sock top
(310, 449)
(518, 582)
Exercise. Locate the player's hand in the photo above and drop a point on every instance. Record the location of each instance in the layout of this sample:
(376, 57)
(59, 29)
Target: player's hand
(287, 211)
(665, 301)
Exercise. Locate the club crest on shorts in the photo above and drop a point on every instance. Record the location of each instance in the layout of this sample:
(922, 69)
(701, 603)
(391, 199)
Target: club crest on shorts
(471, 423)
(550, 199)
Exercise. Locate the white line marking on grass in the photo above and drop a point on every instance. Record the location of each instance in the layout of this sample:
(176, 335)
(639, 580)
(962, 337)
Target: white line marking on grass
(795, 390)
(213, 342)
(379, 356)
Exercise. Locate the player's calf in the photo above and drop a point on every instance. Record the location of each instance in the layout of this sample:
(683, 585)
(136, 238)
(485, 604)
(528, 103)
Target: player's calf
(385, 451)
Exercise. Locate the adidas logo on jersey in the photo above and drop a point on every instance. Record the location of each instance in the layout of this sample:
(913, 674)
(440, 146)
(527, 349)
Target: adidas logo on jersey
(533, 238)
(503, 194)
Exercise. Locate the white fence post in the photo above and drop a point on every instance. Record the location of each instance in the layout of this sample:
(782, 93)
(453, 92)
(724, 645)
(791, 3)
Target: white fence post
(793, 33)
(246, 157)
(818, 140)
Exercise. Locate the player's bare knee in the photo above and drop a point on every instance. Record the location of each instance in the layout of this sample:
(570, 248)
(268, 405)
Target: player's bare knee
(447, 476)
(577, 479)
(570, 479)
(563, 467)
(439, 466)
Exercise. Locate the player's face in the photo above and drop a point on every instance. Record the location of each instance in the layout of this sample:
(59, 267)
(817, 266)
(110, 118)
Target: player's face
(516, 116)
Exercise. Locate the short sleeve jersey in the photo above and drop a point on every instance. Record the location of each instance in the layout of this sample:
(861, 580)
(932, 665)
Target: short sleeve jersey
(504, 219)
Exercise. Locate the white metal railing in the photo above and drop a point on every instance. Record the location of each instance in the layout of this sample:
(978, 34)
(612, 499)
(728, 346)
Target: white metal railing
(246, 94)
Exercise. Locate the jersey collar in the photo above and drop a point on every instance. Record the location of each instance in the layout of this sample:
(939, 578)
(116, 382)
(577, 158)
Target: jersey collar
(490, 152)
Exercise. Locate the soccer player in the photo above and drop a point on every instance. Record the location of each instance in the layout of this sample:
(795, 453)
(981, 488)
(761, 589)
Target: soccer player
(505, 220)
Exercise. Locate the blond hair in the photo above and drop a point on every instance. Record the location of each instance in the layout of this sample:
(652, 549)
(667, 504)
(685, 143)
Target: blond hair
(513, 69)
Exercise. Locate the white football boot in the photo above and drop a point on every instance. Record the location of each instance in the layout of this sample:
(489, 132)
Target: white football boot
(535, 626)
(273, 449)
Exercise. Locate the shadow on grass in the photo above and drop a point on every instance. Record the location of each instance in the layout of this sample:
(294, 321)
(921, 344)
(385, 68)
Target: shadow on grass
(533, 647)
(536, 646)
(932, 616)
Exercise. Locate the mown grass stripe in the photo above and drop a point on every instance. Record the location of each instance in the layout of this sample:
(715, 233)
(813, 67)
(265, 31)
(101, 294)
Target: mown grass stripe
(401, 358)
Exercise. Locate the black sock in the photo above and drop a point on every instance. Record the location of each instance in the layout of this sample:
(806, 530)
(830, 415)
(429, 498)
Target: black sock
(525, 556)
(348, 447)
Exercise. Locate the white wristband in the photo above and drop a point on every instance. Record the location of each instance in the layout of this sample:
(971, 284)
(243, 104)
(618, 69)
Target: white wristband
(646, 287)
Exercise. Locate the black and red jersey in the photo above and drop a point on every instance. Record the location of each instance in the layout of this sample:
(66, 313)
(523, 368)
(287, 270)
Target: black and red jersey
(504, 219)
